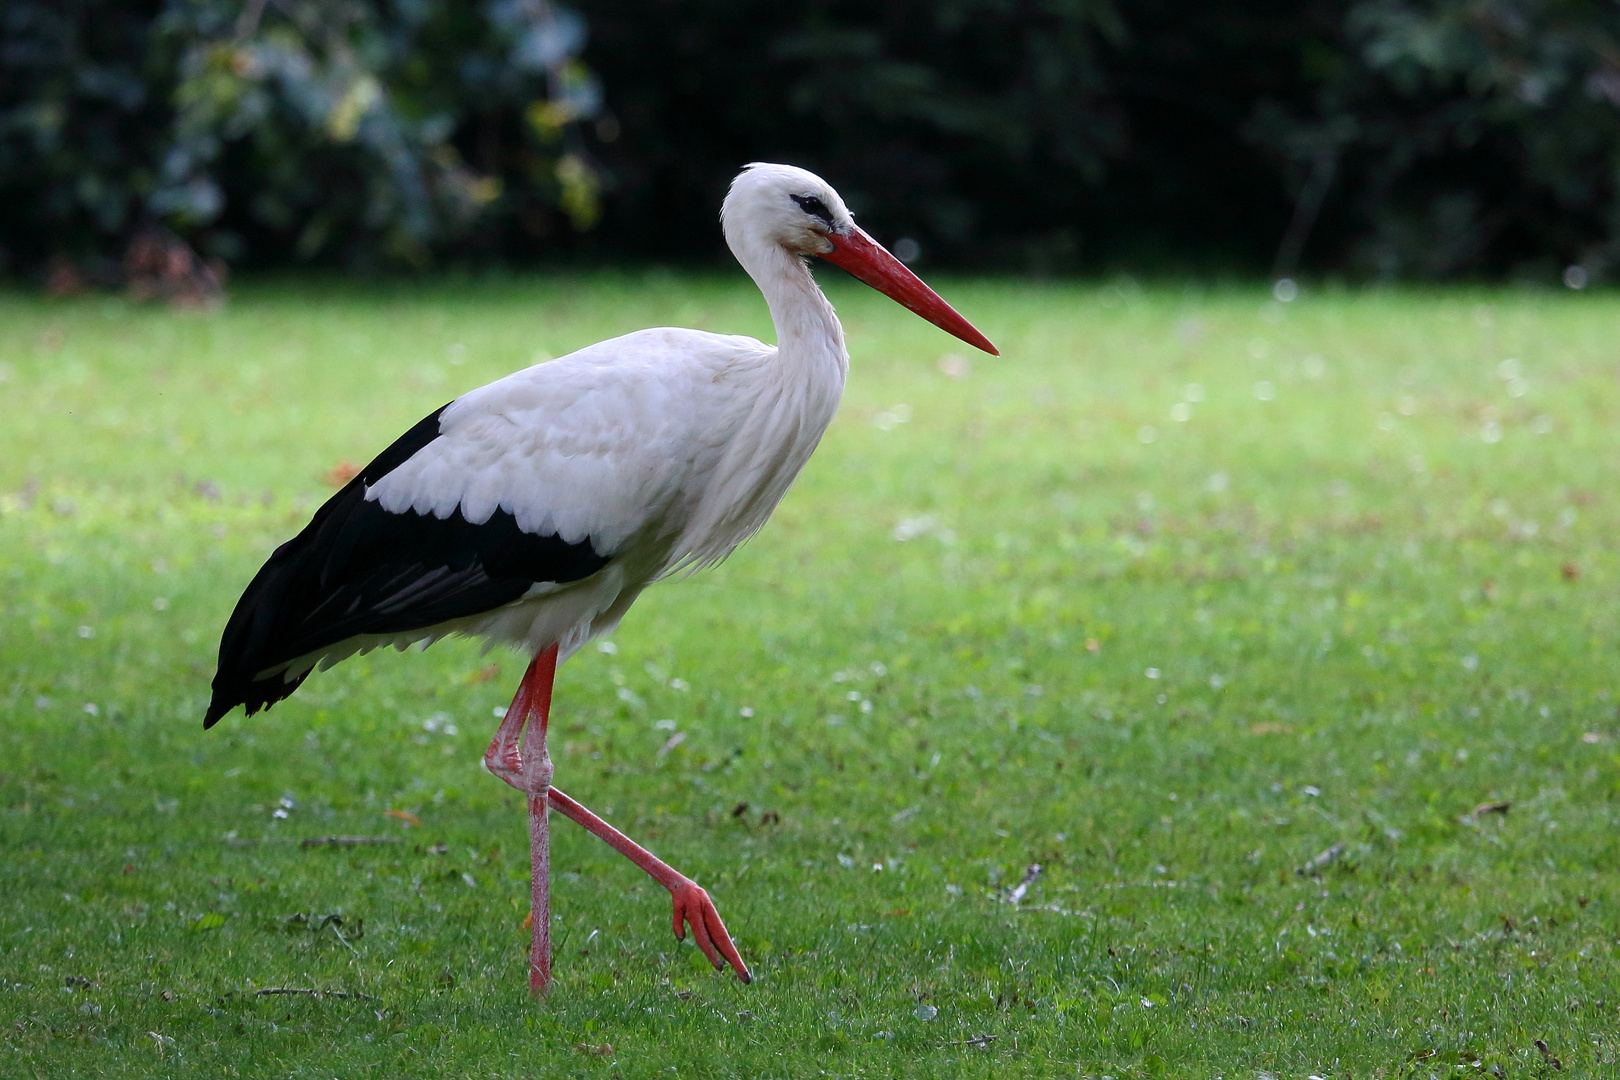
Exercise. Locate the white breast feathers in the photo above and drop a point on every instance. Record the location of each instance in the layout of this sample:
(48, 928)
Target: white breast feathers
(679, 439)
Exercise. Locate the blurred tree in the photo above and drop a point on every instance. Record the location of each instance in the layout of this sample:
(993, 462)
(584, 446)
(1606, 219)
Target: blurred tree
(1387, 137)
(82, 112)
(355, 131)
(1455, 136)
(1381, 137)
(976, 128)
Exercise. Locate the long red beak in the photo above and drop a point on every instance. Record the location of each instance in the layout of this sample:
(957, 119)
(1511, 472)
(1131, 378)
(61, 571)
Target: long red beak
(867, 260)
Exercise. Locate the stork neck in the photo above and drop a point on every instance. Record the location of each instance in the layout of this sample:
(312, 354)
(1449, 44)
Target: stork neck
(807, 328)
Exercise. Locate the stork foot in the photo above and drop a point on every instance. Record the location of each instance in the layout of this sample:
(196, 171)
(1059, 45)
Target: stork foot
(694, 908)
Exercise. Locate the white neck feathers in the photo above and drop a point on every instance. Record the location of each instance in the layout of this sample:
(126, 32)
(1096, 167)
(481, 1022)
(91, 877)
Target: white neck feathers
(807, 328)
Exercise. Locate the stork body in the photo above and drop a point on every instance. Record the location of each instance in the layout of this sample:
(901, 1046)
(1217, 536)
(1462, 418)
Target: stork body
(533, 511)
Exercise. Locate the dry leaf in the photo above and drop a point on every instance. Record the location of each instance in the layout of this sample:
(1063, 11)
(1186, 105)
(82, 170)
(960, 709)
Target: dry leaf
(1324, 859)
(1016, 896)
(341, 473)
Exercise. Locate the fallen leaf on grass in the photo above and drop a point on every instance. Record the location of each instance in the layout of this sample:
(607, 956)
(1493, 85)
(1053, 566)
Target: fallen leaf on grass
(1497, 807)
(484, 674)
(1271, 727)
(406, 816)
(341, 473)
(299, 921)
(603, 1050)
(1546, 1055)
(981, 1041)
(1016, 895)
(1592, 738)
(211, 921)
(1324, 859)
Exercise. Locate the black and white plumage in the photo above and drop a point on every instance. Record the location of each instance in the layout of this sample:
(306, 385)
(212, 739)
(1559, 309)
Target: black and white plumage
(359, 574)
(533, 511)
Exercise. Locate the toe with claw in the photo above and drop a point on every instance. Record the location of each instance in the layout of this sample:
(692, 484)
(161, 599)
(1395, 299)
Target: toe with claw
(694, 908)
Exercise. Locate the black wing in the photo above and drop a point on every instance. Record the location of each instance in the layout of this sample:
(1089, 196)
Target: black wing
(357, 569)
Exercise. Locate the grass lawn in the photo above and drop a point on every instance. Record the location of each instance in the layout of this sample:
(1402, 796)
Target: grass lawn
(1237, 618)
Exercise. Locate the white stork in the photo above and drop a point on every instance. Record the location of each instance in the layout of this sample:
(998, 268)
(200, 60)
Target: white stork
(534, 510)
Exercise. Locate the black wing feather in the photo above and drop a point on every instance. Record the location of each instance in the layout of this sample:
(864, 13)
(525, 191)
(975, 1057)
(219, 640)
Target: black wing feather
(357, 569)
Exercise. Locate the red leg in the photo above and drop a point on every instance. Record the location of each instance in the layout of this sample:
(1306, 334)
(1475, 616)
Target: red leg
(527, 767)
(692, 903)
(539, 897)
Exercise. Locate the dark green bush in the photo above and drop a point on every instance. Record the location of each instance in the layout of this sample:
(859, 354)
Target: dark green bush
(352, 131)
(1460, 135)
(1375, 137)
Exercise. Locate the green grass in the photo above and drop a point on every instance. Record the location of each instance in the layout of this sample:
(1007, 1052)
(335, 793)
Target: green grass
(1172, 672)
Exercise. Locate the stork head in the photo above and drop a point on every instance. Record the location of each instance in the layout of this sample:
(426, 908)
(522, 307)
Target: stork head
(797, 211)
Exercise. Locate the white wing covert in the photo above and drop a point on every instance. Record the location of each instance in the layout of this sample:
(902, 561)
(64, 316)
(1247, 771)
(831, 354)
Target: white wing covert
(605, 444)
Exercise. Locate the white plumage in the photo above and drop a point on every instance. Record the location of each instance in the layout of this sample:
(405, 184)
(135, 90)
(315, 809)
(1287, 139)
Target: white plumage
(666, 447)
(654, 452)
(534, 510)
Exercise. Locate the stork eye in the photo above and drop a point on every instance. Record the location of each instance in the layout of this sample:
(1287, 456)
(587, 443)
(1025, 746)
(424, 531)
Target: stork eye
(814, 207)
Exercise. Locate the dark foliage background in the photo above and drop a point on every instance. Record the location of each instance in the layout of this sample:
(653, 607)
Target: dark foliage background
(358, 132)
(1370, 137)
